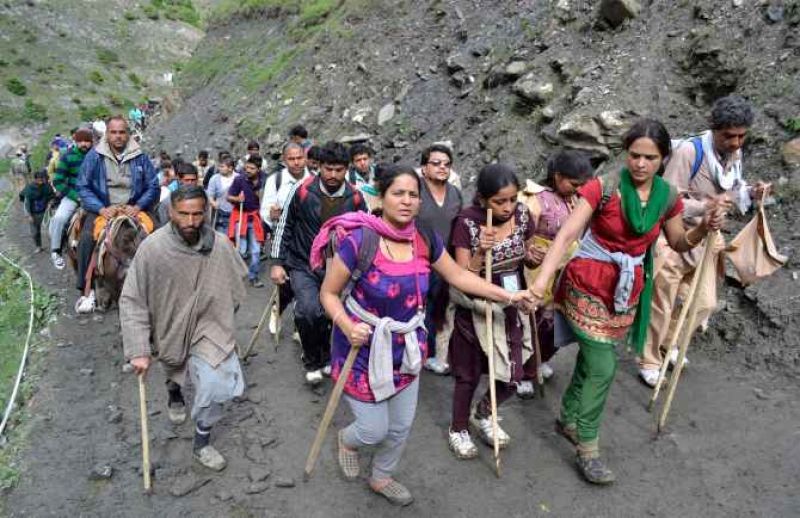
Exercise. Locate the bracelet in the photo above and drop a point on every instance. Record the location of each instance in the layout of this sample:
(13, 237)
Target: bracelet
(689, 242)
(540, 297)
(511, 299)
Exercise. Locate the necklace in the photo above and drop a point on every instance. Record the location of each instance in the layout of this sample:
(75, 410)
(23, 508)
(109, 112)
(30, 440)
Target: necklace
(388, 250)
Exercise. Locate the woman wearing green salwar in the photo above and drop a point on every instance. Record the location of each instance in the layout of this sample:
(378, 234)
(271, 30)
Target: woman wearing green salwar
(603, 295)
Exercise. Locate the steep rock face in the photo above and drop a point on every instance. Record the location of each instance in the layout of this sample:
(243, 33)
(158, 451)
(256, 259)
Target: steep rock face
(510, 81)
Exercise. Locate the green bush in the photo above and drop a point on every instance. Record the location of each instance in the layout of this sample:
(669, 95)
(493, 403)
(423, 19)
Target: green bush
(150, 11)
(792, 124)
(98, 111)
(34, 111)
(96, 77)
(107, 56)
(136, 80)
(16, 87)
(130, 16)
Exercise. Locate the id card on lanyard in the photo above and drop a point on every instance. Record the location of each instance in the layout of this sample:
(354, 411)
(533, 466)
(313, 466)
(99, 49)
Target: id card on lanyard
(510, 281)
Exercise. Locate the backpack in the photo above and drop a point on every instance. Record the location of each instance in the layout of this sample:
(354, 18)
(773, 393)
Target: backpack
(370, 240)
(699, 154)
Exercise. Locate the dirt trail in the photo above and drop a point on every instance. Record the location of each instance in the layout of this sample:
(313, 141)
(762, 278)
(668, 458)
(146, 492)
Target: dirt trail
(732, 447)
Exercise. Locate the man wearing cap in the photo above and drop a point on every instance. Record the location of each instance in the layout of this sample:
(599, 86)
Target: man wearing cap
(65, 182)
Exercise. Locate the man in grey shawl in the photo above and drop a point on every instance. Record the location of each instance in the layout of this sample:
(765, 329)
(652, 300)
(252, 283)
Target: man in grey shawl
(178, 303)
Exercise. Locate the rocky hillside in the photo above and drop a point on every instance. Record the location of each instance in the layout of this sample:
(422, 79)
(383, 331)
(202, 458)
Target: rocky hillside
(62, 61)
(511, 81)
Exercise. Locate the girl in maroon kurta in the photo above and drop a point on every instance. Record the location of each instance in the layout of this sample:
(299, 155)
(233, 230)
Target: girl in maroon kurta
(511, 229)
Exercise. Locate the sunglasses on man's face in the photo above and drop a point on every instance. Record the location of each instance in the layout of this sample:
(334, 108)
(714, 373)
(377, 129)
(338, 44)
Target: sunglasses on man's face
(439, 163)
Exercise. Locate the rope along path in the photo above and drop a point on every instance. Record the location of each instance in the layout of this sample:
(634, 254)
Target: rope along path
(23, 361)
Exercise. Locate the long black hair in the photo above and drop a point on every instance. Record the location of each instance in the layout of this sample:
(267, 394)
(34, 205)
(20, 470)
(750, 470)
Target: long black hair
(494, 177)
(570, 164)
(655, 131)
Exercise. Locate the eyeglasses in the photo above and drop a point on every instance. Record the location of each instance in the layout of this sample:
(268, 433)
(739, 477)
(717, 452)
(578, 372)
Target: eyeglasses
(439, 163)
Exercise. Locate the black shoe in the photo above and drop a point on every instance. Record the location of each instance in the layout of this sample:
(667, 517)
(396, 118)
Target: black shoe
(256, 283)
(594, 470)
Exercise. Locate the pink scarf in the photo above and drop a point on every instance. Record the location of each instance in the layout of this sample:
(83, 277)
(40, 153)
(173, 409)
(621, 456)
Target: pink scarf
(346, 223)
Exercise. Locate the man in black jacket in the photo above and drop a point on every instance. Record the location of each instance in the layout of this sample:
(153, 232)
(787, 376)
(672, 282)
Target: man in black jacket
(312, 202)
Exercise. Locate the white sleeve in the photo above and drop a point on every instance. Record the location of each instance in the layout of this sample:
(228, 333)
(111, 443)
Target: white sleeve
(269, 198)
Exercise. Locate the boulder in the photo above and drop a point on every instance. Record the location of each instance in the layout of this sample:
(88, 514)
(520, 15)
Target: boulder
(533, 90)
(385, 114)
(516, 69)
(791, 152)
(455, 63)
(583, 132)
(617, 11)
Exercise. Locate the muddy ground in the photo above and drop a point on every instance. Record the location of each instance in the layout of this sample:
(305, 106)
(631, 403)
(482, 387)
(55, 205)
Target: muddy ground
(731, 448)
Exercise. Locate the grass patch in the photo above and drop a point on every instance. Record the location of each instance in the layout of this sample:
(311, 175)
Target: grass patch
(258, 76)
(107, 57)
(96, 77)
(97, 111)
(792, 124)
(177, 10)
(34, 111)
(16, 87)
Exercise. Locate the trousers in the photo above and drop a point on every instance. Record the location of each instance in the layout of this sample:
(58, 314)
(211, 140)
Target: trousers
(385, 425)
(584, 400)
(310, 319)
(59, 222)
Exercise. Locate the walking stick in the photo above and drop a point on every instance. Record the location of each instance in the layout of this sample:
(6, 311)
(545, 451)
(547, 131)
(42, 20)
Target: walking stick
(239, 227)
(333, 402)
(214, 219)
(537, 351)
(260, 325)
(679, 326)
(145, 434)
(687, 337)
(490, 352)
(277, 336)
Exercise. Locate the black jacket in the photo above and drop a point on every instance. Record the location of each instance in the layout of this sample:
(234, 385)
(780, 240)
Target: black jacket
(302, 218)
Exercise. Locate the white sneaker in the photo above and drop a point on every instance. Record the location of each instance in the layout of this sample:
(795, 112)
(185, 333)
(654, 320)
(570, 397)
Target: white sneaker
(673, 359)
(314, 378)
(58, 261)
(85, 304)
(461, 444)
(296, 336)
(437, 367)
(525, 389)
(326, 371)
(649, 376)
(273, 319)
(546, 370)
(484, 427)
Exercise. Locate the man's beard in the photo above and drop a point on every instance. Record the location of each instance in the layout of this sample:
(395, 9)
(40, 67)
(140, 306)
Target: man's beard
(190, 234)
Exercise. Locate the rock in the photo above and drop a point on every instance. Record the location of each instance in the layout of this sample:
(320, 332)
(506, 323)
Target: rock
(564, 12)
(101, 472)
(791, 152)
(361, 114)
(454, 63)
(255, 453)
(115, 416)
(385, 114)
(738, 3)
(256, 487)
(548, 113)
(224, 496)
(481, 50)
(617, 11)
(774, 13)
(284, 482)
(127, 368)
(361, 67)
(516, 69)
(258, 474)
(97, 318)
(352, 139)
(532, 90)
(613, 121)
(87, 371)
(583, 132)
(759, 393)
(186, 483)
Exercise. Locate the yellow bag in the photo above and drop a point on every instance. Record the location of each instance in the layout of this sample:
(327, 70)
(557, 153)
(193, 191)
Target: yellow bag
(753, 252)
(531, 275)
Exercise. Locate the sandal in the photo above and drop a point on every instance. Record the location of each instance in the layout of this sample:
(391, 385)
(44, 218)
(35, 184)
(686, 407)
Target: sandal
(395, 492)
(348, 460)
(570, 433)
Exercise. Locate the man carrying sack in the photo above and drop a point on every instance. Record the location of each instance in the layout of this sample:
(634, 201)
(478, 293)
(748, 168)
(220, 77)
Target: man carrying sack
(705, 169)
(182, 289)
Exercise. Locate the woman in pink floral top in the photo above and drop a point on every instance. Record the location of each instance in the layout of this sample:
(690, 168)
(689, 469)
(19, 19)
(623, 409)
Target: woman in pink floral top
(384, 315)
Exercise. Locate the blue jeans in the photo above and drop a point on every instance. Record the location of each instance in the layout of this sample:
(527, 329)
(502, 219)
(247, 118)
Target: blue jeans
(255, 249)
(223, 218)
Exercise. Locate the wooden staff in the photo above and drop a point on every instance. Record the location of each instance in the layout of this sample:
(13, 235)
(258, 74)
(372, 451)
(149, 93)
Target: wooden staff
(333, 402)
(490, 352)
(145, 434)
(537, 351)
(708, 256)
(261, 321)
(239, 226)
(688, 304)
(277, 336)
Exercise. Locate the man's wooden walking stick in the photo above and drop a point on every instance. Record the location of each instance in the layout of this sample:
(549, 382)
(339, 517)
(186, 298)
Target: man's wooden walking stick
(239, 226)
(263, 319)
(145, 434)
(708, 256)
(490, 352)
(688, 304)
(278, 321)
(333, 402)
